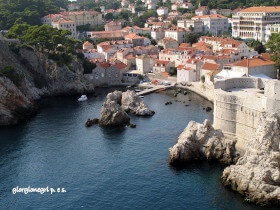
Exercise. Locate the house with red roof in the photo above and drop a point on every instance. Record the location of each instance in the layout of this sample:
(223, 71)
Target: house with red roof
(256, 67)
(162, 66)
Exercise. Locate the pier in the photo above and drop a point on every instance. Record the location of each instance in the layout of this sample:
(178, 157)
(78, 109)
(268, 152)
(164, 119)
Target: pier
(152, 89)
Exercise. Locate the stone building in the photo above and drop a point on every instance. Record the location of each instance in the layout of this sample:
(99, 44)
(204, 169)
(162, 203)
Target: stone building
(239, 103)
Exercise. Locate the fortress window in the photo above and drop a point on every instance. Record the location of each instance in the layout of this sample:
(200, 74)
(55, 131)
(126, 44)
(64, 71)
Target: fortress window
(241, 109)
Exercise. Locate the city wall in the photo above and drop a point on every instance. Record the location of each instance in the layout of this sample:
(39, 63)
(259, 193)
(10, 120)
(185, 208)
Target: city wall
(239, 103)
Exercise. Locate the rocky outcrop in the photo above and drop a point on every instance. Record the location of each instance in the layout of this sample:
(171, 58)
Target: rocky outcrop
(112, 115)
(132, 103)
(202, 141)
(40, 77)
(13, 104)
(118, 104)
(257, 174)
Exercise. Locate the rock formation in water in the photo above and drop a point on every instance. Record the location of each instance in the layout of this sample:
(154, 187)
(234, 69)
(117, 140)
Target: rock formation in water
(39, 77)
(118, 104)
(257, 174)
(202, 141)
(132, 103)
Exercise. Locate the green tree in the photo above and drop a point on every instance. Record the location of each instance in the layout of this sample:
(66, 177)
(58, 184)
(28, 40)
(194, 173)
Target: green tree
(192, 37)
(109, 16)
(10, 72)
(273, 45)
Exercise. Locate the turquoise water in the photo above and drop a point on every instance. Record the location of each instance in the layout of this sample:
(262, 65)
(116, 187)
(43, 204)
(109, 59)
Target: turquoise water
(108, 168)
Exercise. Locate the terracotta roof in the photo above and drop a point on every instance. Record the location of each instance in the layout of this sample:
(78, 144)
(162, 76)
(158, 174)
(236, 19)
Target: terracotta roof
(193, 61)
(120, 65)
(213, 73)
(202, 44)
(210, 66)
(87, 43)
(227, 51)
(183, 67)
(167, 39)
(212, 16)
(159, 62)
(104, 65)
(267, 56)
(202, 8)
(252, 62)
(133, 36)
(185, 45)
(130, 56)
(262, 9)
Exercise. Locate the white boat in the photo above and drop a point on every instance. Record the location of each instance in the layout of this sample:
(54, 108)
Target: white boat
(137, 90)
(141, 96)
(83, 98)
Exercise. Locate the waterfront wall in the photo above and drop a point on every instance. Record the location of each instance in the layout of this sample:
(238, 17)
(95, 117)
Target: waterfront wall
(238, 111)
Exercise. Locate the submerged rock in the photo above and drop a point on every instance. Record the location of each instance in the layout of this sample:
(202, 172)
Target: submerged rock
(90, 122)
(200, 141)
(132, 103)
(257, 174)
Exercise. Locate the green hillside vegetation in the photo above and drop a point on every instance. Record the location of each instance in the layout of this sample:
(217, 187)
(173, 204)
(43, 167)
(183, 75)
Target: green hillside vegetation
(29, 11)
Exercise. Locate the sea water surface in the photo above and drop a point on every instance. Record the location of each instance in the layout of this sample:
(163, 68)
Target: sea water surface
(108, 168)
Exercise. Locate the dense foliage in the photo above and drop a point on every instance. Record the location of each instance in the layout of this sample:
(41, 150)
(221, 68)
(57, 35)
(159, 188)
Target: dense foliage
(29, 11)
(10, 72)
(274, 47)
(192, 37)
(257, 46)
(60, 48)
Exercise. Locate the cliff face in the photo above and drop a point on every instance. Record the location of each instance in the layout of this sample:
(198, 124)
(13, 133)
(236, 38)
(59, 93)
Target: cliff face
(39, 77)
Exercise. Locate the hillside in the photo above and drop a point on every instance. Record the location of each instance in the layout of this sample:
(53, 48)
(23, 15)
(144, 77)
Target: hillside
(36, 77)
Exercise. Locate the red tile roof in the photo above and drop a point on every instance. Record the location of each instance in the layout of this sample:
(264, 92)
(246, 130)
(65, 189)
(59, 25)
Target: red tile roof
(252, 62)
(210, 66)
(262, 9)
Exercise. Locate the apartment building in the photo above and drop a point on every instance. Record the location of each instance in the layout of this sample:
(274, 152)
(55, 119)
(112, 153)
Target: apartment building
(216, 24)
(256, 22)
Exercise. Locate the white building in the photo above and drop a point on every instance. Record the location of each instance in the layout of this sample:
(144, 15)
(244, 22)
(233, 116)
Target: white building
(185, 74)
(215, 24)
(162, 11)
(66, 24)
(195, 25)
(251, 23)
(179, 34)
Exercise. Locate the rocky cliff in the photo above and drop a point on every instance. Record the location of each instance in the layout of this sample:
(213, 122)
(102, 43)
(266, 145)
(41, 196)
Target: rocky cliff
(39, 77)
(202, 141)
(257, 174)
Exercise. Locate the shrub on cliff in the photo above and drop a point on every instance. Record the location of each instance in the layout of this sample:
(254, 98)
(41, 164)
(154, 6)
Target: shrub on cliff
(10, 72)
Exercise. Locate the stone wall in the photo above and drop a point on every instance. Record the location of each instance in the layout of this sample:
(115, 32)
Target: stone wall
(238, 112)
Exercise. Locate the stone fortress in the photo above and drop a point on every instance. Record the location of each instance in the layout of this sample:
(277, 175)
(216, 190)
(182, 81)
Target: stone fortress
(239, 104)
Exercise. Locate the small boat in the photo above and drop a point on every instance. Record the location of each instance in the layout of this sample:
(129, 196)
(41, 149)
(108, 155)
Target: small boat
(83, 98)
(162, 89)
(141, 96)
(137, 90)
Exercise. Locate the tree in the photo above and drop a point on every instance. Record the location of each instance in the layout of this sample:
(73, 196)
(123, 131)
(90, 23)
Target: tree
(10, 72)
(109, 16)
(29, 11)
(174, 22)
(274, 47)
(257, 46)
(202, 78)
(173, 71)
(192, 37)
(102, 40)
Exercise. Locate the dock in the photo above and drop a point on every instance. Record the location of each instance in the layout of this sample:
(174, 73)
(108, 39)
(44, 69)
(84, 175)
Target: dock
(153, 89)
